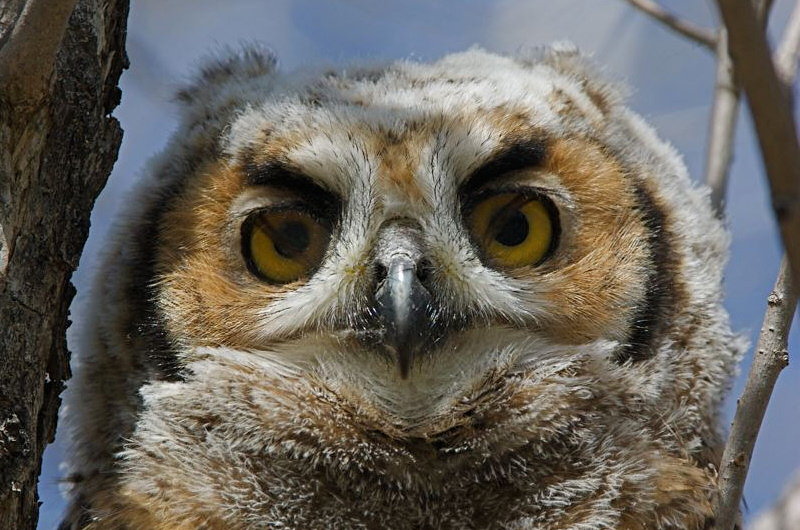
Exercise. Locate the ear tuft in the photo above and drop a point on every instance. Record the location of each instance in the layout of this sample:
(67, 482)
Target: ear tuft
(226, 67)
(567, 59)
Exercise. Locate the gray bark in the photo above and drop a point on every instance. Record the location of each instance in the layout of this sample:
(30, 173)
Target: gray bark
(58, 143)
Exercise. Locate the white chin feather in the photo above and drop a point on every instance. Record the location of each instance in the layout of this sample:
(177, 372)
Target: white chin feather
(437, 381)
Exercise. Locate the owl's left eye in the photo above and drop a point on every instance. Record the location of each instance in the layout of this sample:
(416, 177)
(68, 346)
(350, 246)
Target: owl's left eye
(284, 245)
(515, 229)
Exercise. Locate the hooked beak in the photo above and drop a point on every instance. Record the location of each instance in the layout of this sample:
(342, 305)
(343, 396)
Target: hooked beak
(403, 304)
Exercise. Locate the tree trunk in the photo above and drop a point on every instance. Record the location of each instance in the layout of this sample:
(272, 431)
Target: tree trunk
(59, 69)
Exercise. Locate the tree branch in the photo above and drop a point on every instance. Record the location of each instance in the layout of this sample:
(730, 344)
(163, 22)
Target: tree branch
(769, 97)
(724, 115)
(698, 34)
(772, 114)
(29, 44)
(770, 358)
(722, 130)
(788, 54)
(762, 10)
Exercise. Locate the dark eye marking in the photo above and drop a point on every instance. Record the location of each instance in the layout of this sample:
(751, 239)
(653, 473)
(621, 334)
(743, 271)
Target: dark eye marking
(661, 293)
(516, 156)
(284, 176)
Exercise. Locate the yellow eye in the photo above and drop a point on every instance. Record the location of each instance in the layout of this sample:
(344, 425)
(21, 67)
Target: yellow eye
(284, 245)
(515, 230)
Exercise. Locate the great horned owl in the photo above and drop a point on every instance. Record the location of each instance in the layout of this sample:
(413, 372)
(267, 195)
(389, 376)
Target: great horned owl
(477, 293)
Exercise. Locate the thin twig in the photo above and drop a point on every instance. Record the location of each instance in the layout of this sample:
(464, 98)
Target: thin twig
(698, 34)
(772, 114)
(722, 130)
(787, 56)
(28, 54)
(769, 359)
(724, 115)
(763, 8)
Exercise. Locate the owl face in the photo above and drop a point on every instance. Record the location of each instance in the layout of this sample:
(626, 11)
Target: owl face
(417, 230)
(478, 293)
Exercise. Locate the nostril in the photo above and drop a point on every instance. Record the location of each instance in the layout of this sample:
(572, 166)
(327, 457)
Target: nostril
(380, 272)
(424, 269)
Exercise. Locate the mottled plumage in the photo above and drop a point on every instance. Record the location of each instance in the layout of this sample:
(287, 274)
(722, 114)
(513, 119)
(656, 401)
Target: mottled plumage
(476, 293)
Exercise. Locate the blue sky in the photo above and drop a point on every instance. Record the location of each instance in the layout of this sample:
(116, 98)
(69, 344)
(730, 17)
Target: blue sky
(670, 77)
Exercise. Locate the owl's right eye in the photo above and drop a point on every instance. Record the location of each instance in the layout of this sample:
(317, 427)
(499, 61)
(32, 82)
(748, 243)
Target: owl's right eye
(284, 245)
(517, 229)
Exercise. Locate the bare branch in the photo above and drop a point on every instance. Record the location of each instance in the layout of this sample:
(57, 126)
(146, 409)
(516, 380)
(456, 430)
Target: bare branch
(28, 54)
(763, 8)
(772, 114)
(788, 54)
(722, 130)
(769, 97)
(769, 359)
(724, 115)
(698, 34)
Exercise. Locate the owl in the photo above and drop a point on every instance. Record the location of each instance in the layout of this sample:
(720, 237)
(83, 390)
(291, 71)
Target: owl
(476, 293)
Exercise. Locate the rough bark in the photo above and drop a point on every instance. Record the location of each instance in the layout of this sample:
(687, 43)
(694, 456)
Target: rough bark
(58, 144)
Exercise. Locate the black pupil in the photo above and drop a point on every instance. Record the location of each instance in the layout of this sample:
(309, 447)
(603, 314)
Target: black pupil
(514, 230)
(293, 239)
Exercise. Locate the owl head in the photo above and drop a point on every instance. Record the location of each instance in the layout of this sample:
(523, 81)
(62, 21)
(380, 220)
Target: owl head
(412, 274)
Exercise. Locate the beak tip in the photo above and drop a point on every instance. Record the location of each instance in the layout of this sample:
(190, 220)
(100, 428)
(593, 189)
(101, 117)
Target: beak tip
(404, 369)
(404, 364)
(403, 305)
